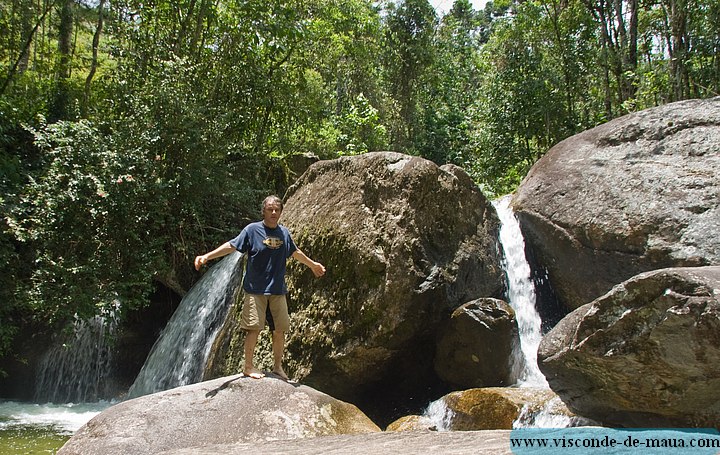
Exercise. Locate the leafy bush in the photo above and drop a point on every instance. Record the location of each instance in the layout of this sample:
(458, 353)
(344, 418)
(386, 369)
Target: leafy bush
(84, 217)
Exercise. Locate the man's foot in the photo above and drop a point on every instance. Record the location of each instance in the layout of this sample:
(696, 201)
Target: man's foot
(280, 372)
(254, 373)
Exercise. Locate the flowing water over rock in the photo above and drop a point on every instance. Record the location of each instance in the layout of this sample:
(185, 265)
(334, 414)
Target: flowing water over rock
(75, 369)
(438, 415)
(180, 353)
(521, 297)
(553, 415)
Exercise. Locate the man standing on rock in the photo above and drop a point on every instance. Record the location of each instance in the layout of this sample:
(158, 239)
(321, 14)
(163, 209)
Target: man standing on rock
(268, 246)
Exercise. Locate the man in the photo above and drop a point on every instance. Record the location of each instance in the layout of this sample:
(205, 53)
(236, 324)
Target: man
(268, 246)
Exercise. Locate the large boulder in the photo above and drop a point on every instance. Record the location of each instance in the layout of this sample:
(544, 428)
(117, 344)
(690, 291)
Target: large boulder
(638, 193)
(222, 411)
(405, 243)
(493, 408)
(646, 354)
(475, 346)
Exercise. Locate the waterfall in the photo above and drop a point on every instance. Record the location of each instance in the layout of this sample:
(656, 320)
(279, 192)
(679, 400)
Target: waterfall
(552, 415)
(525, 370)
(179, 355)
(76, 368)
(438, 415)
(521, 297)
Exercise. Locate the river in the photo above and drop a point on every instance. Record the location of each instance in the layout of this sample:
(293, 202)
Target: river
(31, 428)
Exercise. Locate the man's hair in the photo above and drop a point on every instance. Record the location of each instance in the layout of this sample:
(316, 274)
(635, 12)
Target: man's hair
(272, 199)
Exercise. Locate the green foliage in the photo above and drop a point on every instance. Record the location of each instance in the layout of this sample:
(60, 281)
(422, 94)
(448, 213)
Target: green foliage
(361, 130)
(409, 52)
(8, 324)
(511, 121)
(83, 216)
(451, 86)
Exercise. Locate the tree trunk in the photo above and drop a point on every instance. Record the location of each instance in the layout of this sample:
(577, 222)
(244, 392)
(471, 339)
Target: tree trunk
(25, 50)
(65, 33)
(630, 56)
(27, 30)
(60, 109)
(677, 10)
(197, 41)
(597, 9)
(94, 63)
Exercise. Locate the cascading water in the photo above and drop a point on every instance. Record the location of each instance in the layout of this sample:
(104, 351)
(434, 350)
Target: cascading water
(438, 415)
(552, 415)
(521, 297)
(179, 355)
(75, 370)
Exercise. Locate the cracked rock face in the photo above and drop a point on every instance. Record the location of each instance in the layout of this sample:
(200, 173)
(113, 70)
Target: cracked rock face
(638, 193)
(646, 354)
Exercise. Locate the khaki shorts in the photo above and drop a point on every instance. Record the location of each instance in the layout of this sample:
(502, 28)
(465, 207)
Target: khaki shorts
(255, 308)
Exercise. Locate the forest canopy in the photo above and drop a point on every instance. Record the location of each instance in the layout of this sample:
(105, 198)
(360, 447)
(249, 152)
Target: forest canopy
(134, 135)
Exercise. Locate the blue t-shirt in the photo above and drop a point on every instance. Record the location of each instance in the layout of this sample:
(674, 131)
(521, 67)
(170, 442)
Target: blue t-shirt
(267, 251)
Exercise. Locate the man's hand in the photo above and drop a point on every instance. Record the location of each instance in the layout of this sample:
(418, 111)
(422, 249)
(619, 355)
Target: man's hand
(200, 261)
(218, 252)
(317, 269)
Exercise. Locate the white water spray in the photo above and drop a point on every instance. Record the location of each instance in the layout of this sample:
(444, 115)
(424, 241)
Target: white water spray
(76, 369)
(521, 297)
(61, 418)
(179, 355)
(553, 415)
(438, 416)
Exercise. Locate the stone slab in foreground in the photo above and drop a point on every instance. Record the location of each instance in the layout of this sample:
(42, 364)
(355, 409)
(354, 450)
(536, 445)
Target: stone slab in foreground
(493, 442)
(227, 410)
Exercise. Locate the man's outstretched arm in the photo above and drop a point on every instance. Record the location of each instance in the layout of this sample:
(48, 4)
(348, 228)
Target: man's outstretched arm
(222, 250)
(317, 268)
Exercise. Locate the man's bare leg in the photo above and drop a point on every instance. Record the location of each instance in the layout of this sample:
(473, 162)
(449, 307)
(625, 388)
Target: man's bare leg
(251, 337)
(278, 347)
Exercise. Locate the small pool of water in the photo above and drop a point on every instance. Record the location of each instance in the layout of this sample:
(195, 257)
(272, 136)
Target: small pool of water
(31, 428)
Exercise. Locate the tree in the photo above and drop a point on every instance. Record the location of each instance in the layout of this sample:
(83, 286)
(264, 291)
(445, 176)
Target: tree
(704, 53)
(21, 44)
(410, 29)
(449, 87)
(94, 61)
(677, 45)
(618, 40)
(61, 104)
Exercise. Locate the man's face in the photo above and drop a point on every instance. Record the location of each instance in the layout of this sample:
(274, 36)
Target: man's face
(271, 214)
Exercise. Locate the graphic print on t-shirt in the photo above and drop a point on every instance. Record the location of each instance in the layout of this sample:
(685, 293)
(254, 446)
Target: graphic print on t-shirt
(273, 243)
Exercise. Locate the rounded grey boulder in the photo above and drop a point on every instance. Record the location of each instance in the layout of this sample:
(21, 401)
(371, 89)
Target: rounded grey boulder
(475, 346)
(646, 354)
(638, 193)
(222, 411)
